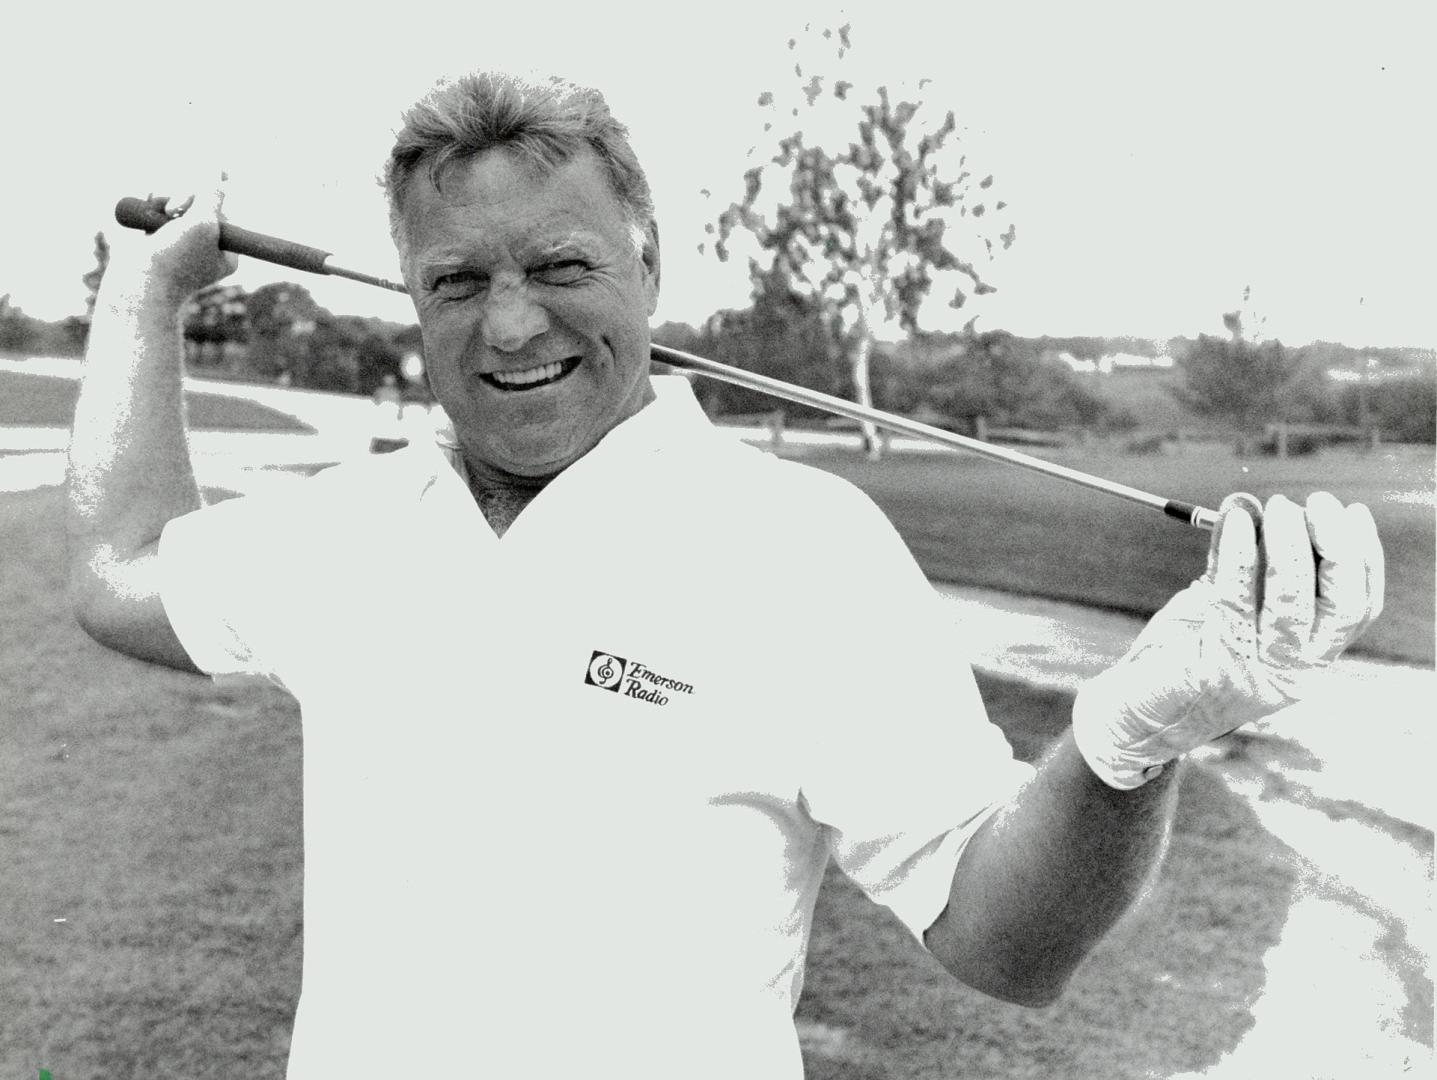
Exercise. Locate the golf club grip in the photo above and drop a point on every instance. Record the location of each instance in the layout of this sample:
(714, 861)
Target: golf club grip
(272, 249)
(147, 215)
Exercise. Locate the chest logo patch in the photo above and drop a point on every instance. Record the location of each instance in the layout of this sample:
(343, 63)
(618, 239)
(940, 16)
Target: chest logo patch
(630, 678)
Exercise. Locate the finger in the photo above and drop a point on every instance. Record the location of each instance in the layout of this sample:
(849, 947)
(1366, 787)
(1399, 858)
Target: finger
(1238, 500)
(1343, 598)
(1284, 621)
(216, 208)
(1351, 576)
(1374, 558)
(1233, 561)
(185, 252)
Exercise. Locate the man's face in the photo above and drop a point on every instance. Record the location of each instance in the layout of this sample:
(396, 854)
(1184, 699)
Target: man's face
(534, 307)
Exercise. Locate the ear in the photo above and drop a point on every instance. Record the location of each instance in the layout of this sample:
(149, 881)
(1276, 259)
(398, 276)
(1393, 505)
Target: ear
(649, 257)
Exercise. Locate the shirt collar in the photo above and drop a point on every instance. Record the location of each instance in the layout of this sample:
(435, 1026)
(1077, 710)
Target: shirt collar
(673, 416)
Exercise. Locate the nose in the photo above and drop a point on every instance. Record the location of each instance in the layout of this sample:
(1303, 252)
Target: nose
(511, 318)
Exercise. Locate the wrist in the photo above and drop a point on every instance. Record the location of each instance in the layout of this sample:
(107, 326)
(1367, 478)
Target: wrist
(129, 286)
(1114, 741)
(137, 301)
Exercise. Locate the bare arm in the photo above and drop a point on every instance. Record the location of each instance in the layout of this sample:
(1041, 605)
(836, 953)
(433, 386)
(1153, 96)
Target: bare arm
(1048, 876)
(130, 471)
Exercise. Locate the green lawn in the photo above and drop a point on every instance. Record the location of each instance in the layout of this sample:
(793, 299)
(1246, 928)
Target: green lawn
(158, 817)
(49, 401)
(973, 521)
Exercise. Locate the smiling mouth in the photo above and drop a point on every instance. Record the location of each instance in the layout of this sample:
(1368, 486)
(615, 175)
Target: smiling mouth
(532, 378)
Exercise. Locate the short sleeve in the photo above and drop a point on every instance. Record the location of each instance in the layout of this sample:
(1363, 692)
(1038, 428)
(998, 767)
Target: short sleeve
(907, 764)
(232, 580)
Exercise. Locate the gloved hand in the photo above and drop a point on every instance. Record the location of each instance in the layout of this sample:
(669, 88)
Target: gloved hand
(1234, 645)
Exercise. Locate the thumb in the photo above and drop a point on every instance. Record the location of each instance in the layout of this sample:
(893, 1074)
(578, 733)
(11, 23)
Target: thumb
(216, 204)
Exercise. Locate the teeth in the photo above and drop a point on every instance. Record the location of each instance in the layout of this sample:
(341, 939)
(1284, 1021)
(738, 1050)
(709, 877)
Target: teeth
(524, 378)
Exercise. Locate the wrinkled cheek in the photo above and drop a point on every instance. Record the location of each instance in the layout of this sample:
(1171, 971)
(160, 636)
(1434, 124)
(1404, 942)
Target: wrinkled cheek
(443, 351)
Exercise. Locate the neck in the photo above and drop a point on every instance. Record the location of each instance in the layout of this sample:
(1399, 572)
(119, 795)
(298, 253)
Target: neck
(501, 498)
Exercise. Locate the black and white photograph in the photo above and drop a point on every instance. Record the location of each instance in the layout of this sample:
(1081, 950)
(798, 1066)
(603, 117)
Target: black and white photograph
(774, 541)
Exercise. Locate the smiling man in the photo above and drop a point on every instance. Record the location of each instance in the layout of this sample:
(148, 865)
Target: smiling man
(534, 294)
(588, 838)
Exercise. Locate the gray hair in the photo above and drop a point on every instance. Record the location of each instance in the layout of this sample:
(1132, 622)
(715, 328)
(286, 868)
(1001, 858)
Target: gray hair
(542, 124)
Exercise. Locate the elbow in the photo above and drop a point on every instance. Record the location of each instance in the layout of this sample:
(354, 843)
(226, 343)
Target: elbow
(96, 600)
(1029, 989)
(85, 596)
(91, 610)
(1031, 994)
(1034, 979)
(90, 592)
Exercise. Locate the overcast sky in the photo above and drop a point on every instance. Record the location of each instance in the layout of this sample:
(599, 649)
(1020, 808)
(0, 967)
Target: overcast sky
(1156, 158)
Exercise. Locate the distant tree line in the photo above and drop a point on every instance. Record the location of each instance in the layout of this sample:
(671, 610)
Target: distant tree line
(1254, 384)
(958, 381)
(962, 380)
(278, 333)
(954, 379)
(24, 335)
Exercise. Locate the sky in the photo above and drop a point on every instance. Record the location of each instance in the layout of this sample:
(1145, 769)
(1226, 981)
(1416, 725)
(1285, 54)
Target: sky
(1157, 159)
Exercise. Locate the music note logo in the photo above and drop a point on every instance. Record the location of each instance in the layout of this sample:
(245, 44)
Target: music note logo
(606, 671)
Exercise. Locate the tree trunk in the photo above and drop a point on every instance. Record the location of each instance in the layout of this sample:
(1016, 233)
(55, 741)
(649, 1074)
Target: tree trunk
(859, 355)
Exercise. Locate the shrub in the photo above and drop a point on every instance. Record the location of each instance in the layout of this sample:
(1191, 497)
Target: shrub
(1151, 444)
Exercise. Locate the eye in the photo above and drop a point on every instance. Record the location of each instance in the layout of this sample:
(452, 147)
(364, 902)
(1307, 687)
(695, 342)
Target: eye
(457, 285)
(564, 272)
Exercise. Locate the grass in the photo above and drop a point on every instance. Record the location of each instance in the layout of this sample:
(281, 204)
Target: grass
(158, 816)
(49, 401)
(1167, 992)
(972, 521)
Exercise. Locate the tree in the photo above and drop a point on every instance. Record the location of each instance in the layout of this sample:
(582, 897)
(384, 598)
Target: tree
(861, 231)
(1243, 379)
(216, 324)
(282, 319)
(781, 335)
(375, 357)
(15, 332)
(963, 380)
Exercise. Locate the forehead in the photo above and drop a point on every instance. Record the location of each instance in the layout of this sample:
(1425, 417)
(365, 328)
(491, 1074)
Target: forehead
(496, 203)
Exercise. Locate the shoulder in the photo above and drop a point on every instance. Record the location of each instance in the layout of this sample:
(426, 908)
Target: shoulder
(805, 495)
(794, 512)
(332, 497)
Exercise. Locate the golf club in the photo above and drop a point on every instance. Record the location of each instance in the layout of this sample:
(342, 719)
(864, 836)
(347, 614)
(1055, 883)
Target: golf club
(149, 215)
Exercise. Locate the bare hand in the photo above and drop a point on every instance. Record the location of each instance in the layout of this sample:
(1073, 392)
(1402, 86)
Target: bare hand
(179, 259)
(1233, 646)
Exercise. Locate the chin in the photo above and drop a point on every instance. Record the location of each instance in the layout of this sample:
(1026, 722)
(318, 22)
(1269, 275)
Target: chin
(536, 461)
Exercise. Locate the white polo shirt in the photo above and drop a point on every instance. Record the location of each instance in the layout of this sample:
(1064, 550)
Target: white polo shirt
(569, 793)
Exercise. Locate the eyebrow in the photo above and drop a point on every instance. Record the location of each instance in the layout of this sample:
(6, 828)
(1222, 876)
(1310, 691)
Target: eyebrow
(449, 258)
(573, 245)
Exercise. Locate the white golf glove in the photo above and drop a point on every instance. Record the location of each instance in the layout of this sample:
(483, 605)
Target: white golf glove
(1233, 646)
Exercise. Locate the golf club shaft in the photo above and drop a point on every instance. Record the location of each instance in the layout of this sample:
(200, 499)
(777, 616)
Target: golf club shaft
(1193, 515)
(149, 215)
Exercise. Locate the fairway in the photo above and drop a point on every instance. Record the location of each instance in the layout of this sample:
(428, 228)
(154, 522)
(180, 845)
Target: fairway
(49, 401)
(972, 521)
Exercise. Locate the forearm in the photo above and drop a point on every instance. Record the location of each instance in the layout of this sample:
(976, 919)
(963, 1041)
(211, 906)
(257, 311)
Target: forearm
(130, 469)
(1049, 875)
